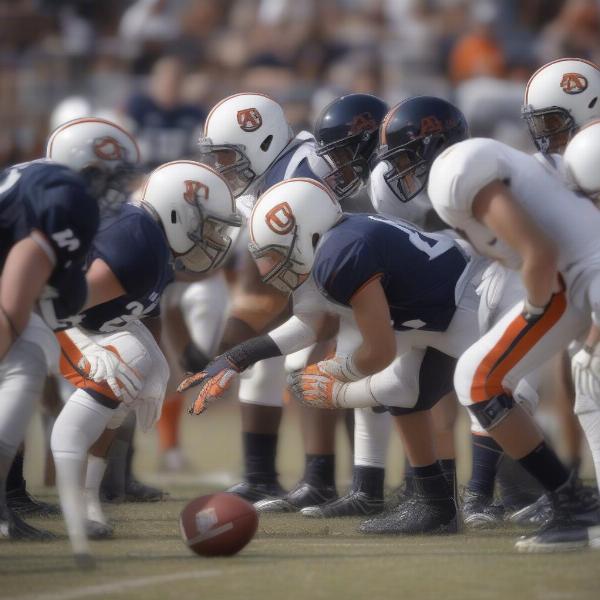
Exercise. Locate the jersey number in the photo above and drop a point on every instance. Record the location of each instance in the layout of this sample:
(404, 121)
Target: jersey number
(430, 244)
(66, 239)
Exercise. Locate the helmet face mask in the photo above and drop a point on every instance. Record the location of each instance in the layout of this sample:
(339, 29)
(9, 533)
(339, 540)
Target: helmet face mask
(110, 188)
(276, 265)
(230, 161)
(551, 128)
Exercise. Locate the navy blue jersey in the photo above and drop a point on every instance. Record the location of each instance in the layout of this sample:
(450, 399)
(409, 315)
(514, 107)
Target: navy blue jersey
(54, 200)
(135, 248)
(419, 271)
(164, 134)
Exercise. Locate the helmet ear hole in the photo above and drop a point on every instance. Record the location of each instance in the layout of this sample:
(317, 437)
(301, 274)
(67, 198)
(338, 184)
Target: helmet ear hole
(173, 217)
(593, 102)
(266, 143)
(315, 240)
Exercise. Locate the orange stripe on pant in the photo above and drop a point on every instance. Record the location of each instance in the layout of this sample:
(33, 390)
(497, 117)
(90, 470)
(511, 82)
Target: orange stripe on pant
(487, 381)
(69, 359)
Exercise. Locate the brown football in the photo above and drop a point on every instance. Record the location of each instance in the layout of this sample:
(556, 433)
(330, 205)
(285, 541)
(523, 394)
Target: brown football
(218, 525)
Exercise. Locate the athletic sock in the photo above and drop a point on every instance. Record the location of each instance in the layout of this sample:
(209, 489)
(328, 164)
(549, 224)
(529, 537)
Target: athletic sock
(371, 436)
(14, 479)
(486, 455)
(368, 480)
(93, 479)
(590, 423)
(259, 456)
(168, 424)
(115, 477)
(545, 466)
(78, 426)
(429, 481)
(319, 469)
(448, 466)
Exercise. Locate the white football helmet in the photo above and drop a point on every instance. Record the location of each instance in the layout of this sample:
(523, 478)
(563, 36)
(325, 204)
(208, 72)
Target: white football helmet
(286, 224)
(582, 160)
(102, 152)
(197, 211)
(560, 97)
(243, 135)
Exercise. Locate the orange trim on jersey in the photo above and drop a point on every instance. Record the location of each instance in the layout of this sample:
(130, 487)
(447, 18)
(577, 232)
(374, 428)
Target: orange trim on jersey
(518, 339)
(70, 356)
(365, 284)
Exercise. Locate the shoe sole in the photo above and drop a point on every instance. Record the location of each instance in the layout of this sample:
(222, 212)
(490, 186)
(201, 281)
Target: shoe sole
(274, 506)
(481, 522)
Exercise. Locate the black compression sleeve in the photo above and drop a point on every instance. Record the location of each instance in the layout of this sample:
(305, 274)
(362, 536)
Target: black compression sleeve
(244, 355)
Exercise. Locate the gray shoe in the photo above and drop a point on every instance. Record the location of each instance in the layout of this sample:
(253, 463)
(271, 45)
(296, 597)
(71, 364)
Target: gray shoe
(355, 503)
(479, 510)
(303, 495)
(98, 531)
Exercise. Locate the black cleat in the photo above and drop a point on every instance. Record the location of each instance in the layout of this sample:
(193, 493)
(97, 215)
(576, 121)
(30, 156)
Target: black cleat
(479, 510)
(355, 503)
(561, 540)
(430, 509)
(12, 527)
(574, 509)
(304, 494)
(401, 494)
(21, 502)
(98, 531)
(136, 491)
(255, 492)
(537, 513)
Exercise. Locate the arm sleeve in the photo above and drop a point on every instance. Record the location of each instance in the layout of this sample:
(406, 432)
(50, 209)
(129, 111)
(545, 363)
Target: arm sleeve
(459, 173)
(341, 272)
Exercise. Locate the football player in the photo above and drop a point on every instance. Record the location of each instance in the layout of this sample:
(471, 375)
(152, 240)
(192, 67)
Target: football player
(415, 307)
(513, 210)
(248, 140)
(186, 214)
(49, 215)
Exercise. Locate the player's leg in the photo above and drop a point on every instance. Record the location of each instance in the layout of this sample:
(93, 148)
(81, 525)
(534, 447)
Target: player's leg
(511, 349)
(422, 378)
(22, 376)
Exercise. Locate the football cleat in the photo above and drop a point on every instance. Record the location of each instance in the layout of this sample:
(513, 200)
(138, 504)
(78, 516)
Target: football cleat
(479, 511)
(136, 491)
(573, 509)
(21, 502)
(255, 492)
(401, 494)
(301, 496)
(98, 531)
(430, 509)
(355, 503)
(537, 513)
(12, 527)
(560, 540)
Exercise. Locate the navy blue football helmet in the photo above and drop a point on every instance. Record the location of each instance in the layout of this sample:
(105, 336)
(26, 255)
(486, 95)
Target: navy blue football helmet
(347, 132)
(412, 135)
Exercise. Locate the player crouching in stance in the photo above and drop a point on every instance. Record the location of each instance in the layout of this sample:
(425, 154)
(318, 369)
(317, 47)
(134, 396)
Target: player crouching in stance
(512, 209)
(48, 216)
(186, 215)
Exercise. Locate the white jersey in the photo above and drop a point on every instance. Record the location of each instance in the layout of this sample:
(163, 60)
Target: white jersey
(386, 203)
(571, 221)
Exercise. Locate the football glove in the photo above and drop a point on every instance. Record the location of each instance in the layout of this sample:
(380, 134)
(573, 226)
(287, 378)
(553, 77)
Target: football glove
(315, 387)
(215, 380)
(104, 365)
(341, 367)
(585, 367)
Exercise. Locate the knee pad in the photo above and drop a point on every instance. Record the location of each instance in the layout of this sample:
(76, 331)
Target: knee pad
(491, 413)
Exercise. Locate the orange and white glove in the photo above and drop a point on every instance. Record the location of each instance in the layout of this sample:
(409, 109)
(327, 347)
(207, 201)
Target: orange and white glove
(215, 380)
(316, 387)
(341, 367)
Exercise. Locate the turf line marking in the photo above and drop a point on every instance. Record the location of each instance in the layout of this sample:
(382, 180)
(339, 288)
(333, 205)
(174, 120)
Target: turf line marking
(118, 587)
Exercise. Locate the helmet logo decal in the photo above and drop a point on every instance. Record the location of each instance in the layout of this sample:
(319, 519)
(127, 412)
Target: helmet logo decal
(193, 189)
(573, 83)
(430, 125)
(249, 119)
(280, 219)
(107, 148)
(362, 122)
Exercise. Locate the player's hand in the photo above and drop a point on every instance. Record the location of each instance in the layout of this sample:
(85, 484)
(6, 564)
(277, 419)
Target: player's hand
(315, 387)
(215, 380)
(585, 367)
(104, 365)
(341, 367)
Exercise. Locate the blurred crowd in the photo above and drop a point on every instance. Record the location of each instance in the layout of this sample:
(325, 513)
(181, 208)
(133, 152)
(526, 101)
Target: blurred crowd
(123, 56)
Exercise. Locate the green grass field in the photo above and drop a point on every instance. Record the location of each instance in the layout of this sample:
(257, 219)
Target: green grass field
(291, 556)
